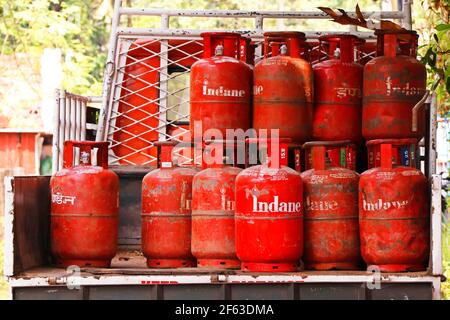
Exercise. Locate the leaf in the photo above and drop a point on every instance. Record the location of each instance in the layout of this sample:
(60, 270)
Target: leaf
(359, 14)
(443, 27)
(447, 85)
(345, 19)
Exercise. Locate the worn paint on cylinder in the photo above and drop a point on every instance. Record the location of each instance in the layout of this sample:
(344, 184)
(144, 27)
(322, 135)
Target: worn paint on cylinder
(393, 84)
(340, 154)
(213, 228)
(331, 216)
(84, 208)
(394, 216)
(220, 93)
(283, 89)
(338, 92)
(166, 214)
(404, 152)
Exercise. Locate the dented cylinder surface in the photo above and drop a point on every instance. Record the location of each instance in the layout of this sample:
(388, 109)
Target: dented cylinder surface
(331, 216)
(394, 217)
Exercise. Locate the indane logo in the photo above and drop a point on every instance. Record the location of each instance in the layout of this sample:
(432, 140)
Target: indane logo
(318, 205)
(384, 205)
(276, 206)
(221, 91)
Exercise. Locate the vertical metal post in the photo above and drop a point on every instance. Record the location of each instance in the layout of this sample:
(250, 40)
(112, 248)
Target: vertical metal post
(436, 225)
(259, 25)
(407, 17)
(83, 120)
(109, 73)
(62, 127)
(56, 137)
(67, 120)
(163, 81)
(78, 120)
(73, 117)
(432, 153)
(113, 103)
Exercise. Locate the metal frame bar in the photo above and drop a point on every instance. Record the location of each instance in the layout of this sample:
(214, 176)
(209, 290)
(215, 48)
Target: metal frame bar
(216, 278)
(130, 11)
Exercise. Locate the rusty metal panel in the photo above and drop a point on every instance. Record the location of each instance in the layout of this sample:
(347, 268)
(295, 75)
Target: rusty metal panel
(401, 291)
(130, 182)
(122, 293)
(263, 292)
(332, 291)
(31, 222)
(193, 292)
(18, 149)
(47, 293)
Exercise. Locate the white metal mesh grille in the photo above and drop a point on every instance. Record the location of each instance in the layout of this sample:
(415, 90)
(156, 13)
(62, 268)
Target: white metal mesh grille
(150, 98)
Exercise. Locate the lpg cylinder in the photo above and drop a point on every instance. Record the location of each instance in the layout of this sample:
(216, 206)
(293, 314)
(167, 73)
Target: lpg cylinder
(166, 212)
(331, 215)
(341, 154)
(269, 213)
(393, 85)
(84, 208)
(338, 92)
(283, 88)
(247, 51)
(394, 216)
(405, 152)
(221, 85)
(213, 193)
(408, 43)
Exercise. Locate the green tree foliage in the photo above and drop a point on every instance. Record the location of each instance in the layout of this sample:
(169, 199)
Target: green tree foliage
(30, 26)
(434, 21)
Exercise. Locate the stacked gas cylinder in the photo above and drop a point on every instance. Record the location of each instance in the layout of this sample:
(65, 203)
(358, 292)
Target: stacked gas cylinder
(304, 202)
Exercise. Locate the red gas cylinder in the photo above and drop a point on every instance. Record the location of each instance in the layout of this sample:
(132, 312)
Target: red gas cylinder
(220, 86)
(394, 216)
(247, 51)
(213, 240)
(331, 216)
(338, 92)
(269, 213)
(340, 154)
(283, 88)
(393, 84)
(84, 208)
(405, 152)
(407, 42)
(166, 213)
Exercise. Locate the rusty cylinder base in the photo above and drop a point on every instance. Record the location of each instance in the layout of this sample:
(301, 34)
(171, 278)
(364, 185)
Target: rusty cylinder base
(219, 263)
(332, 266)
(269, 267)
(397, 267)
(170, 263)
(84, 263)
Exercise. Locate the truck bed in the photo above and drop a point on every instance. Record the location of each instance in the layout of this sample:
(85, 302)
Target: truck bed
(31, 275)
